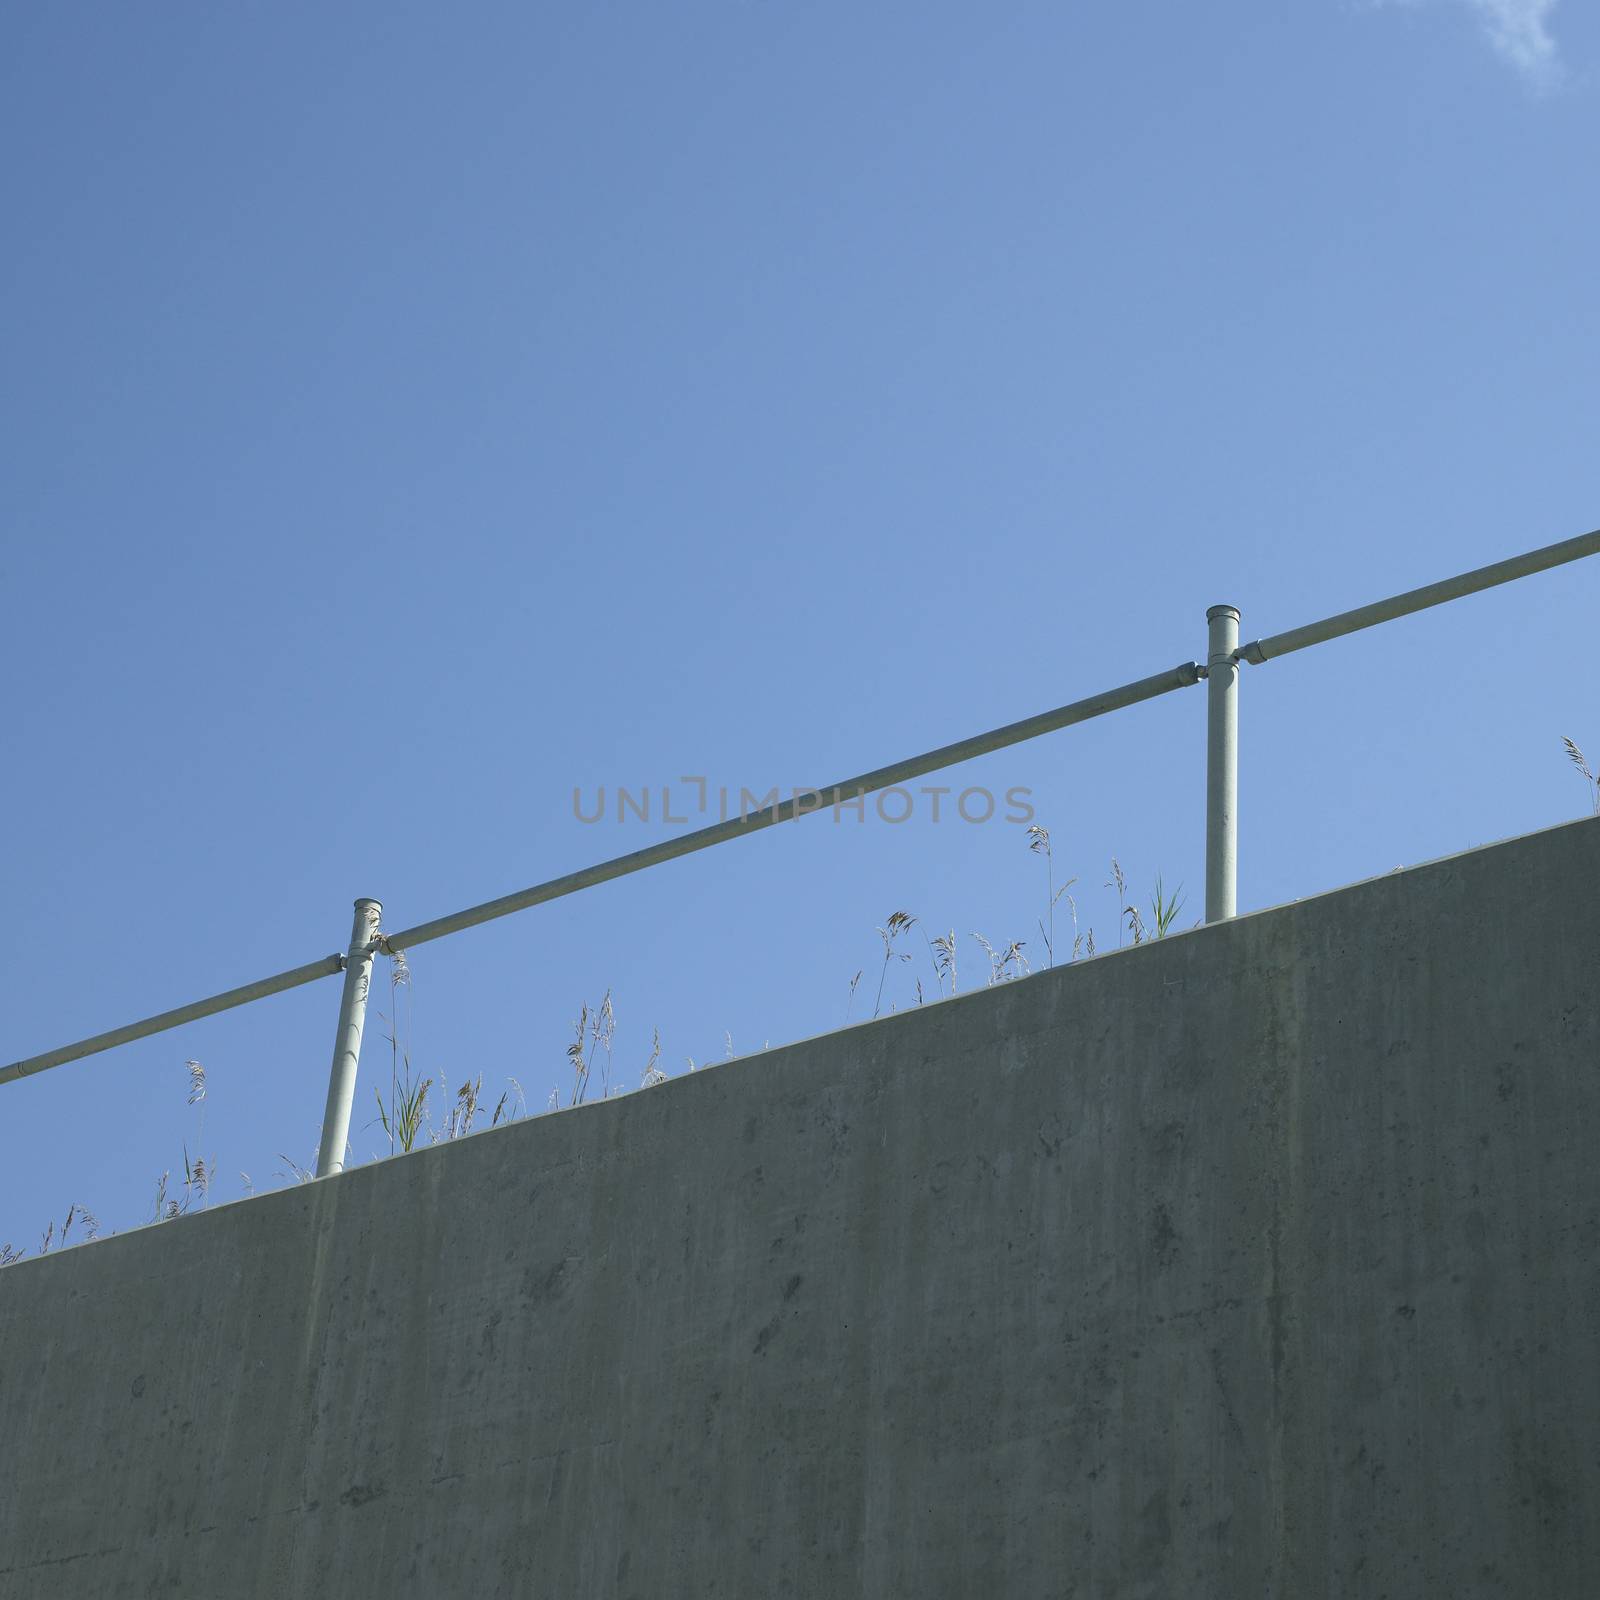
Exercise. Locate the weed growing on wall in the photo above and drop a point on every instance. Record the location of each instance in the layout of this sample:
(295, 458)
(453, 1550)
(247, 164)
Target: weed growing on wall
(1575, 756)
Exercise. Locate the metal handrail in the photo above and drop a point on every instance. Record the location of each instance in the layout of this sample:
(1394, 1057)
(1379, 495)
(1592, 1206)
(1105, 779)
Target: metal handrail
(950, 755)
(1224, 657)
(1432, 594)
(620, 866)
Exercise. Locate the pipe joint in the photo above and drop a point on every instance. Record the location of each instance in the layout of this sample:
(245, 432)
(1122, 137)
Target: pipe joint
(1222, 653)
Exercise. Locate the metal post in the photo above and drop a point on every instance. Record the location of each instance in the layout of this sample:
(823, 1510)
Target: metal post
(1222, 764)
(347, 1042)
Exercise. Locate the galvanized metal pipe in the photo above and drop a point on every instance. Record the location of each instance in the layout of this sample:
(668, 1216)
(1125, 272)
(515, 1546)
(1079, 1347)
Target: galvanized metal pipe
(1222, 781)
(809, 800)
(160, 1023)
(1222, 764)
(1432, 594)
(347, 1041)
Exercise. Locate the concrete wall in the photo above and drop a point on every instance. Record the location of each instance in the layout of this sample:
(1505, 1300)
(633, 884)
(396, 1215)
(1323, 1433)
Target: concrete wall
(1260, 1262)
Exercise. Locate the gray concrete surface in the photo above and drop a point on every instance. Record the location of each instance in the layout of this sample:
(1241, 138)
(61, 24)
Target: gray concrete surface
(1257, 1263)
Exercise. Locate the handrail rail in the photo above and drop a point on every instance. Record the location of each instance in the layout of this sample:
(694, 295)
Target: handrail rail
(226, 1001)
(1222, 670)
(949, 755)
(668, 849)
(1431, 594)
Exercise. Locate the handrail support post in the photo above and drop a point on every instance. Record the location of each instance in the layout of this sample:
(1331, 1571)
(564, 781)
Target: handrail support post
(1222, 764)
(347, 1041)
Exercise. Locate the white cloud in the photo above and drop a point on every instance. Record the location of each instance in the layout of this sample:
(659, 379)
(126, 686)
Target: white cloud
(1519, 31)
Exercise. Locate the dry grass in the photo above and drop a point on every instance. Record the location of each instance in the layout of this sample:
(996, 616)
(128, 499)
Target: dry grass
(576, 1055)
(602, 1031)
(1009, 960)
(652, 1068)
(1575, 756)
(1005, 963)
(897, 924)
(463, 1110)
(197, 1181)
(77, 1215)
(508, 1109)
(1039, 844)
(852, 997)
(406, 1100)
(296, 1173)
(1118, 882)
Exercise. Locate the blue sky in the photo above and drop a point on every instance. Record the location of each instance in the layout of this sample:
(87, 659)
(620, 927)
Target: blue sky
(410, 415)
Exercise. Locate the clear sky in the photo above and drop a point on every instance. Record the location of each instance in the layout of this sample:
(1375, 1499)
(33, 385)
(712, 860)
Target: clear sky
(412, 413)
